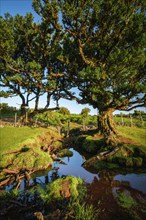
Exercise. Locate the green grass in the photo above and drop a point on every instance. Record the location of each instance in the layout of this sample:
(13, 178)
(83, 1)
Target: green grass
(11, 138)
(83, 211)
(28, 143)
(136, 134)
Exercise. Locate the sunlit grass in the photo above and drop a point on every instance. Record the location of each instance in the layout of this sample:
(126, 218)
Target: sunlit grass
(136, 134)
(11, 137)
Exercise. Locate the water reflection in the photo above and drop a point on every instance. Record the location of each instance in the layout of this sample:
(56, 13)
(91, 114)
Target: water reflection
(103, 179)
(103, 186)
(107, 189)
(136, 181)
(74, 167)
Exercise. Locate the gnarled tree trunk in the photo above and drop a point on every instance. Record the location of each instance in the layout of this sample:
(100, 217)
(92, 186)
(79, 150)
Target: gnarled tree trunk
(107, 126)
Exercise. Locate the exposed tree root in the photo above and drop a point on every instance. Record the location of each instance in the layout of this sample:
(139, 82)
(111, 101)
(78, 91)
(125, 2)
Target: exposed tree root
(17, 176)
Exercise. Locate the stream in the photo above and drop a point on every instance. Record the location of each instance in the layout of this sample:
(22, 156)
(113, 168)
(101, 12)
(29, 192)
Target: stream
(103, 187)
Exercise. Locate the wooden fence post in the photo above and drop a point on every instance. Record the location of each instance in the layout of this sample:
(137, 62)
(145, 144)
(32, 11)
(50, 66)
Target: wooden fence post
(15, 119)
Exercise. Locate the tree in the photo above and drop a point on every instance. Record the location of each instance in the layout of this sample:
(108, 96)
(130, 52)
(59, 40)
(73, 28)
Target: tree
(95, 46)
(28, 59)
(18, 69)
(104, 46)
(85, 113)
(64, 111)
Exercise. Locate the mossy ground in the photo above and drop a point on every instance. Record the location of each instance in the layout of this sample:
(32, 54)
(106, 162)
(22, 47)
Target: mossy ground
(132, 151)
(21, 148)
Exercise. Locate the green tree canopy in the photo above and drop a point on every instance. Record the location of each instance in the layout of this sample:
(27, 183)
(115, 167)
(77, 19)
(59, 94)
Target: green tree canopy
(64, 111)
(28, 59)
(105, 48)
(85, 112)
(95, 46)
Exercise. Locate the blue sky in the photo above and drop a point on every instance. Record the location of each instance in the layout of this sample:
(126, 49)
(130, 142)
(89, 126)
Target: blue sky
(15, 6)
(22, 7)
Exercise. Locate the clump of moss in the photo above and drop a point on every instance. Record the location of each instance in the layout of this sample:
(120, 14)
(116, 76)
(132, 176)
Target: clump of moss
(42, 161)
(65, 153)
(57, 145)
(6, 159)
(31, 160)
(24, 160)
(62, 188)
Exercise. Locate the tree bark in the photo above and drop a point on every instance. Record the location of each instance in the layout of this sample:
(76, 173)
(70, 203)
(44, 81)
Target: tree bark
(107, 127)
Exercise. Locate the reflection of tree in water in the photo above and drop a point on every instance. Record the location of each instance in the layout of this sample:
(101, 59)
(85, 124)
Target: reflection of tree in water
(105, 190)
(54, 174)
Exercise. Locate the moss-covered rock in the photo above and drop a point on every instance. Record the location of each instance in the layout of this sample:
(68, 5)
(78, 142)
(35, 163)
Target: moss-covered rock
(31, 159)
(6, 159)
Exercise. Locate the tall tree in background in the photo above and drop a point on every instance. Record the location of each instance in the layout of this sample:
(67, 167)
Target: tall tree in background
(27, 60)
(20, 73)
(85, 113)
(104, 47)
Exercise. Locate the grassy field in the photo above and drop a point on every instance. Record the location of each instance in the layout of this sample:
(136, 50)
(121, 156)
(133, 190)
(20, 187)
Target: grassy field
(11, 138)
(136, 134)
(23, 148)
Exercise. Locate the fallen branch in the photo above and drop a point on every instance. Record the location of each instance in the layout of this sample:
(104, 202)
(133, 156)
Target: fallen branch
(17, 176)
(101, 156)
(104, 155)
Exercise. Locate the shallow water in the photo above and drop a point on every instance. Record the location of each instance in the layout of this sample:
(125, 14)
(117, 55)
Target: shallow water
(73, 166)
(136, 181)
(103, 186)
